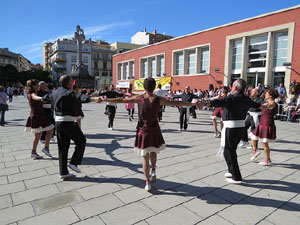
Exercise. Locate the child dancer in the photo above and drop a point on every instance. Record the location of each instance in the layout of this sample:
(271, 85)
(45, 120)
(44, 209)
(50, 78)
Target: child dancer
(37, 122)
(149, 140)
(266, 130)
(129, 106)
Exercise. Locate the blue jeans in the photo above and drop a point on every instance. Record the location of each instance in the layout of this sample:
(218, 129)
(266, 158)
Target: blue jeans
(2, 113)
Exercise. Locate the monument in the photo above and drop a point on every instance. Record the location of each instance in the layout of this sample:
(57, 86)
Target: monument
(80, 71)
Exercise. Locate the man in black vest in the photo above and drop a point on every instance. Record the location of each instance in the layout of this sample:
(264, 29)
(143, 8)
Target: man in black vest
(235, 108)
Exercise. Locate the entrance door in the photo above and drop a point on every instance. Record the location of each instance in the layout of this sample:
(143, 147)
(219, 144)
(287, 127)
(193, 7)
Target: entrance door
(251, 79)
(277, 78)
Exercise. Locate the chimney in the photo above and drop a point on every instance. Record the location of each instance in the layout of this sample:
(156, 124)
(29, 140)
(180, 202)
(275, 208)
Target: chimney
(155, 32)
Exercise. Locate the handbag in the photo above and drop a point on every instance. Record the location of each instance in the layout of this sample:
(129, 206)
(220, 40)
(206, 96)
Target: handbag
(5, 105)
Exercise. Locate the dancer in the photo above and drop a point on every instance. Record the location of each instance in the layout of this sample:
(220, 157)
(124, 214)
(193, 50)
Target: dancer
(184, 114)
(111, 107)
(37, 122)
(66, 111)
(48, 111)
(266, 130)
(253, 117)
(129, 106)
(80, 114)
(235, 107)
(218, 112)
(149, 140)
(161, 93)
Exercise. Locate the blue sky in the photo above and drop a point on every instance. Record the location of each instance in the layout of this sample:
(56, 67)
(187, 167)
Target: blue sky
(27, 24)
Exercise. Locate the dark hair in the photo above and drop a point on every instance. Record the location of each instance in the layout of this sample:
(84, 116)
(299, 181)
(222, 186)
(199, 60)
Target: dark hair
(240, 85)
(129, 90)
(159, 86)
(64, 80)
(273, 93)
(2, 89)
(149, 84)
(75, 87)
(29, 88)
(225, 88)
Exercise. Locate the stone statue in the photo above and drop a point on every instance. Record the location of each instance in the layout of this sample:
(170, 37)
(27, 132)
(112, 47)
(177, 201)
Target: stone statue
(79, 68)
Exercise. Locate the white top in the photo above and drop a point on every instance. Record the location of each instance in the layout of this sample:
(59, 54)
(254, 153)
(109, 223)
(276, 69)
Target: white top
(161, 93)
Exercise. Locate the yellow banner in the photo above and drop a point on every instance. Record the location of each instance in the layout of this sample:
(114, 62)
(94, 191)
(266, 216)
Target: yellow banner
(165, 83)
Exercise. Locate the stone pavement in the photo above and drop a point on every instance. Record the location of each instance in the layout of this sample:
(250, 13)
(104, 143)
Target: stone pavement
(191, 188)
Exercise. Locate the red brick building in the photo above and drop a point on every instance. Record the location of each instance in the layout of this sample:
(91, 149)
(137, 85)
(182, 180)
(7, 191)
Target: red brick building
(258, 49)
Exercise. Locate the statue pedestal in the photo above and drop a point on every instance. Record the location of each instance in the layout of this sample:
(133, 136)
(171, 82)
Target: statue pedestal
(81, 75)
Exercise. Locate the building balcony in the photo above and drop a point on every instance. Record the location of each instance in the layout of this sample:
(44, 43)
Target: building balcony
(60, 60)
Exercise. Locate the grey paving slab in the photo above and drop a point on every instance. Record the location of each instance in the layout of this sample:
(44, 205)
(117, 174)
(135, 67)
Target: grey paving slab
(190, 187)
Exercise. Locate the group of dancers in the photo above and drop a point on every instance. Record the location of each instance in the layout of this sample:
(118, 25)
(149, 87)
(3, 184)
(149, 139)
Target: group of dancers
(149, 140)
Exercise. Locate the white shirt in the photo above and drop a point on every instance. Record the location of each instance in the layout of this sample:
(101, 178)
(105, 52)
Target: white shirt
(161, 93)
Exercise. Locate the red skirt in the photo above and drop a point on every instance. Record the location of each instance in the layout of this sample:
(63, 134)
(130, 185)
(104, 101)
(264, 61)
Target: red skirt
(37, 124)
(264, 133)
(217, 114)
(148, 140)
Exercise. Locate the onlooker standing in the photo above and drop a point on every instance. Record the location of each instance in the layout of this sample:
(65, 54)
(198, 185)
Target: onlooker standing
(282, 93)
(10, 93)
(3, 105)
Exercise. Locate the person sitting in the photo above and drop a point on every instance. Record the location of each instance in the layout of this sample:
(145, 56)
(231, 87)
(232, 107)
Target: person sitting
(296, 112)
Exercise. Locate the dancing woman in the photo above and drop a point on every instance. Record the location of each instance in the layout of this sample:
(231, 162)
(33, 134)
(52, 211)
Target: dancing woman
(129, 106)
(37, 122)
(149, 140)
(266, 130)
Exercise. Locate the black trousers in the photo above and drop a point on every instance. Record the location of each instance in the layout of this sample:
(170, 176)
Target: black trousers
(67, 131)
(160, 114)
(233, 137)
(111, 111)
(184, 118)
(193, 111)
(249, 122)
(130, 112)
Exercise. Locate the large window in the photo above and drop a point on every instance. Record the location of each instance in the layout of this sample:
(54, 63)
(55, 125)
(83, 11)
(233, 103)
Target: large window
(237, 54)
(257, 51)
(280, 48)
(161, 65)
(125, 70)
(191, 62)
(144, 68)
(153, 67)
(85, 59)
(179, 63)
(204, 64)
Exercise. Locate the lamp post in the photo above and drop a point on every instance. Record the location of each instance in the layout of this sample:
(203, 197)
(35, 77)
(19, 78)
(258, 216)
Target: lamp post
(256, 78)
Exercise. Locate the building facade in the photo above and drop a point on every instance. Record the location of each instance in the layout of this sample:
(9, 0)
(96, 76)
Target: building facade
(120, 47)
(17, 60)
(258, 49)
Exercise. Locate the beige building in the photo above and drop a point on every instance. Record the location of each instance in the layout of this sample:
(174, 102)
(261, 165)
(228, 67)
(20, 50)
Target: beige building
(9, 58)
(47, 56)
(121, 47)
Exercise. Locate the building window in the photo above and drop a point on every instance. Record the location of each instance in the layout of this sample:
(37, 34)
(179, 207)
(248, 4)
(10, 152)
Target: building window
(85, 49)
(95, 65)
(60, 48)
(144, 63)
(280, 48)
(204, 61)
(104, 74)
(73, 58)
(96, 56)
(191, 62)
(126, 71)
(179, 63)
(161, 65)
(257, 51)
(104, 65)
(132, 70)
(237, 47)
(104, 56)
(85, 59)
(120, 71)
(153, 67)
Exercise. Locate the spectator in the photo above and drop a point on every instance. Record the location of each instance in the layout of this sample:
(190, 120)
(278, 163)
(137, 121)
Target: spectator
(10, 92)
(282, 93)
(294, 88)
(296, 113)
(3, 105)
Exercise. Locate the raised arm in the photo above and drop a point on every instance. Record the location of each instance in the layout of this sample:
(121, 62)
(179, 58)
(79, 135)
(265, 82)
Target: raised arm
(133, 99)
(169, 103)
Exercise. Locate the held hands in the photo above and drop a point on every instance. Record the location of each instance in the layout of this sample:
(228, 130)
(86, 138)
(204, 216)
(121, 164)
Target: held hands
(97, 99)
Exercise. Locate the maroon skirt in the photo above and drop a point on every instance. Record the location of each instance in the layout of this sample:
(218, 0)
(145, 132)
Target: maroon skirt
(264, 133)
(218, 112)
(148, 140)
(37, 124)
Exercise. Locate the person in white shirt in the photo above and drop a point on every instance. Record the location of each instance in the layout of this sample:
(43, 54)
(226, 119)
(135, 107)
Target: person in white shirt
(161, 93)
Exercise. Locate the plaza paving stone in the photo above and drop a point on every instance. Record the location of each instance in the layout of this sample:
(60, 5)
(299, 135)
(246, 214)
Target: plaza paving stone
(190, 189)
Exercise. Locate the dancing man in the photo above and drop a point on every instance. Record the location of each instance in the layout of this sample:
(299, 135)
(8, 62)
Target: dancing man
(161, 93)
(235, 108)
(66, 111)
(187, 96)
(111, 107)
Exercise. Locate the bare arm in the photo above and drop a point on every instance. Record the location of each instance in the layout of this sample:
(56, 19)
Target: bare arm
(267, 106)
(35, 97)
(169, 103)
(133, 99)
